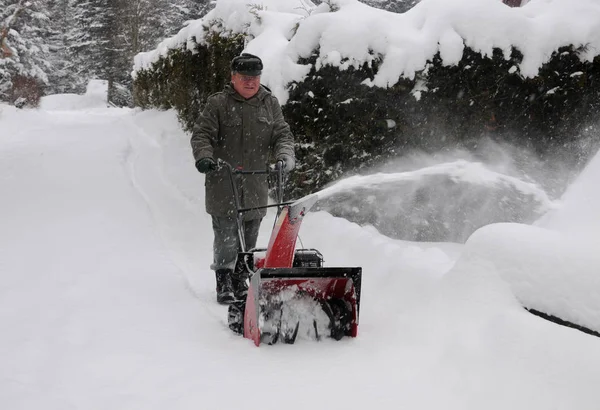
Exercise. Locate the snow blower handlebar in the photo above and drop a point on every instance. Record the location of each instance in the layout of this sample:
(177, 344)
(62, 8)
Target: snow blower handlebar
(275, 169)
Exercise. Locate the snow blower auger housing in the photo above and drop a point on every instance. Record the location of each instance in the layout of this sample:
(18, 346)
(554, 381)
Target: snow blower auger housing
(291, 295)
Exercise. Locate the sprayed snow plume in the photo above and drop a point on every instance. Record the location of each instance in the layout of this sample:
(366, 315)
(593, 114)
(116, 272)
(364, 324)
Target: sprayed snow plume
(443, 202)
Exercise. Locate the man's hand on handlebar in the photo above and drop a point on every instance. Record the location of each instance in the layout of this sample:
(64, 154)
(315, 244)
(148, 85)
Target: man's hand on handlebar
(285, 162)
(206, 165)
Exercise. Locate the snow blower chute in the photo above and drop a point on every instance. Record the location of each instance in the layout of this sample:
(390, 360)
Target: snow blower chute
(291, 295)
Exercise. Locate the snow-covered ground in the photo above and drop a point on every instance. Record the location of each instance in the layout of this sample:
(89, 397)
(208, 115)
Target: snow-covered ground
(107, 301)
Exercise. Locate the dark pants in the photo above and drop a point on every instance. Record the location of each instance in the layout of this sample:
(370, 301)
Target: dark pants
(227, 244)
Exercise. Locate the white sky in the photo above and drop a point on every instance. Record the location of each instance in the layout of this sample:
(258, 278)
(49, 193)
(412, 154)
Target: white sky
(358, 33)
(107, 300)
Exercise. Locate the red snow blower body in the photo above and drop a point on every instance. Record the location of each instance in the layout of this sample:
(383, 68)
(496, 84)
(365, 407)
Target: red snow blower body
(291, 295)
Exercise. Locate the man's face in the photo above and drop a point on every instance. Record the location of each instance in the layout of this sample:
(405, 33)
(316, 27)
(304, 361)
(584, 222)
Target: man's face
(246, 86)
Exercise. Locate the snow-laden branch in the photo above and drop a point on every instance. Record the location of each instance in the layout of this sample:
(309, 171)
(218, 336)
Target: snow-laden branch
(5, 50)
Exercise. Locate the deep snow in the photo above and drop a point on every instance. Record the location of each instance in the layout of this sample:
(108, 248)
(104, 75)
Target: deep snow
(107, 301)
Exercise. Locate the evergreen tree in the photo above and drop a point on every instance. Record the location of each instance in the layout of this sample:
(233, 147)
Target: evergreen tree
(62, 44)
(98, 46)
(86, 39)
(61, 76)
(27, 28)
(141, 25)
(188, 10)
(114, 50)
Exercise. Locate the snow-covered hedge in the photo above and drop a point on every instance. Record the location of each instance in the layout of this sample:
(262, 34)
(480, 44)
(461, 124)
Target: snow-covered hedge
(362, 85)
(185, 78)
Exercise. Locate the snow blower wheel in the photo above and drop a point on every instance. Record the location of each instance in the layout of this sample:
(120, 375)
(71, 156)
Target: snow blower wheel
(235, 316)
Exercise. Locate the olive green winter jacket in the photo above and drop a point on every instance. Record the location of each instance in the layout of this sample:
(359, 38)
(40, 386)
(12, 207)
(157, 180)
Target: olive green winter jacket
(246, 133)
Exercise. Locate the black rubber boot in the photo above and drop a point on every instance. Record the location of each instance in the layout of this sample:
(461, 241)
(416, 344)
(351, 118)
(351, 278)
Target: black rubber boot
(225, 294)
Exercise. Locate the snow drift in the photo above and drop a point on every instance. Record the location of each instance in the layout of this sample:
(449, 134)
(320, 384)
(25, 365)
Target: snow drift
(552, 267)
(96, 96)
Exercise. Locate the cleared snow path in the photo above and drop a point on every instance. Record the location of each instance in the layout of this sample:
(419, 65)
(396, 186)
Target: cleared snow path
(106, 299)
(91, 309)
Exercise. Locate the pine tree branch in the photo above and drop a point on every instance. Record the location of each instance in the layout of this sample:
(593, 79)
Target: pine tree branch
(5, 50)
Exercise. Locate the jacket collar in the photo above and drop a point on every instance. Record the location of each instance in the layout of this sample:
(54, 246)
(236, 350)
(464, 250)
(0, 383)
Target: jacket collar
(255, 100)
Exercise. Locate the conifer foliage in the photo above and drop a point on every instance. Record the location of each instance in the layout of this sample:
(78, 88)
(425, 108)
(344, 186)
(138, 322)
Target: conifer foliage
(51, 46)
(25, 27)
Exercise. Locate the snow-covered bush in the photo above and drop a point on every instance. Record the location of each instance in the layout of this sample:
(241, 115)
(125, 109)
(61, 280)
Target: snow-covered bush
(25, 91)
(344, 126)
(183, 79)
(24, 66)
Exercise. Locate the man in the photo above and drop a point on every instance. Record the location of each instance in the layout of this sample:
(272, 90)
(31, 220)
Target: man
(244, 126)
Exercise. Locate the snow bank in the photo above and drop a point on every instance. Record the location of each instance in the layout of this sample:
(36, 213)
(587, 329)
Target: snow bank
(579, 213)
(552, 267)
(355, 34)
(6, 109)
(96, 96)
(545, 271)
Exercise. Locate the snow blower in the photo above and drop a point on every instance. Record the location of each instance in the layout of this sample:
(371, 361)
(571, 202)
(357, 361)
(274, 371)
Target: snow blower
(291, 295)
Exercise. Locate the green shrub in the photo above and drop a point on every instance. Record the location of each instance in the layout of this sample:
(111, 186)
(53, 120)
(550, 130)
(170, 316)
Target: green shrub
(184, 79)
(342, 126)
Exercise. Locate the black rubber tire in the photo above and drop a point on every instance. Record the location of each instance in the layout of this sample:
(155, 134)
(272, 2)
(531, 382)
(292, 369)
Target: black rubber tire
(235, 316)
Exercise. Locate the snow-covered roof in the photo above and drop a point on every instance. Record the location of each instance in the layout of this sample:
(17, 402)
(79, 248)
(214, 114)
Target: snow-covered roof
(352, 33)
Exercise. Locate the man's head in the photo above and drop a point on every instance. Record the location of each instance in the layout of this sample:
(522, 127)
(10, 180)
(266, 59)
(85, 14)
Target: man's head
(245, 74)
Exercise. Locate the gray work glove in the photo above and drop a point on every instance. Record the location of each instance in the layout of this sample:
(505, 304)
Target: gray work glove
(206, 165)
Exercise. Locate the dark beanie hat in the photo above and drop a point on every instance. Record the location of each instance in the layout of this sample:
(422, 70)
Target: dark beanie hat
(247, 64)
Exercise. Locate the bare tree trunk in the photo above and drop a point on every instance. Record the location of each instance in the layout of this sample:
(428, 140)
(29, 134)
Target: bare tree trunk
(135, 28)
(110, 93)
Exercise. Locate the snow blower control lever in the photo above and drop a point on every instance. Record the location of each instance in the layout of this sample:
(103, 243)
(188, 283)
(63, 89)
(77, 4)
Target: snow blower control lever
(276, 169)
(291, 295)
